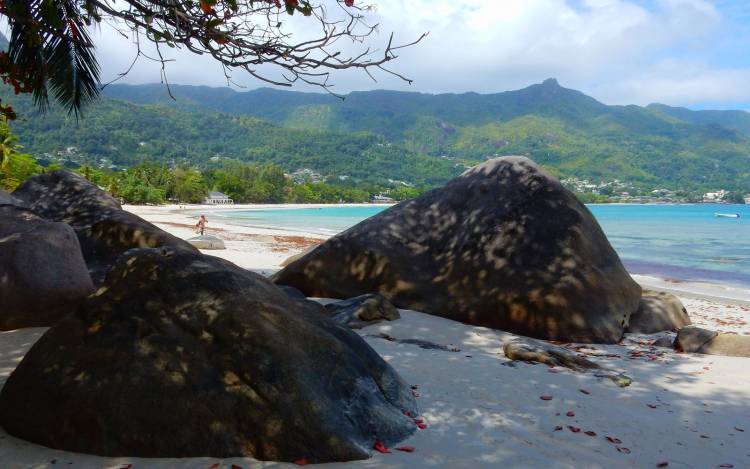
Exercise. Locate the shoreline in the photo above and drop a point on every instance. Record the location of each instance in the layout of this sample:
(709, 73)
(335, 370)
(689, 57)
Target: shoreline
(178, 219)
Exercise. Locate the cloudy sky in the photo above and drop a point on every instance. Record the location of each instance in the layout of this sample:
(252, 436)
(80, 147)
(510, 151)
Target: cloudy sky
(693, 53)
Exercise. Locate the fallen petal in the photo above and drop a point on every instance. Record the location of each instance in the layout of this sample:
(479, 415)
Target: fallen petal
(622, 449)
(590, 433)
(380, 447)
(570, 413)
(545, 398)
(405, 449)
(573, 429)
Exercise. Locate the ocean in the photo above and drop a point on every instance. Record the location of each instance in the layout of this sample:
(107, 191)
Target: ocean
(682, 242)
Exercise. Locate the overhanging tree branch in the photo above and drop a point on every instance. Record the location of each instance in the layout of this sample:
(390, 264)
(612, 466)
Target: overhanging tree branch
(51, 50)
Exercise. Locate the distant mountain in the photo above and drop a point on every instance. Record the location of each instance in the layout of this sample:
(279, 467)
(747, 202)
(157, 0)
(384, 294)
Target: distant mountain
(569, 132)
(735, 120)
(416, 137)
(114, 132)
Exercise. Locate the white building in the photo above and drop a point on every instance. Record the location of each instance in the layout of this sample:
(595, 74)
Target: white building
(747, 199)
(382, 199)
(714, 197)
(217, 198)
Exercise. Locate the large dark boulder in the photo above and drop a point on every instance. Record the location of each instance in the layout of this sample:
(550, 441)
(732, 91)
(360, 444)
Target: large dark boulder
(183, 355)
(104, 230)
(658, 312)
(116, 232)
(504, 245)
(42, 273)
(65, 196)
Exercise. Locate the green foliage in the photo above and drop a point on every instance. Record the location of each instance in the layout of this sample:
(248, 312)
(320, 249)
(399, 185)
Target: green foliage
(567, 131)
(189, 186)
(372, 140)
(15, 167)
(735, 198)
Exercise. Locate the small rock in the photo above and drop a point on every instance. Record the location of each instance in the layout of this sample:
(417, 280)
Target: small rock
(207, 242)
(362, 310)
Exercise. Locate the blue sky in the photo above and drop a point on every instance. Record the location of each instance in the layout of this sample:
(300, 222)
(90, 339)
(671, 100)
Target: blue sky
(693, 53)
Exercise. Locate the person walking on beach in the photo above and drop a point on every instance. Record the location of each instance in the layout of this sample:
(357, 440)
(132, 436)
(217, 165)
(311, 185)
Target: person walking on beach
(201, 225)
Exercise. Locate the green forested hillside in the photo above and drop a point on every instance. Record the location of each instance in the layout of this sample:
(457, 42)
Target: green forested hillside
(419, 138)
(121, 133)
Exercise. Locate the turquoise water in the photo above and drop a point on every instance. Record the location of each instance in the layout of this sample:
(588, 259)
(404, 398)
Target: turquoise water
(685, 242)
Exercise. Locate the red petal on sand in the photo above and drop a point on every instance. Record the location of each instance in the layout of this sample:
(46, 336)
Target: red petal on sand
(235, 466)
(662, 464)
(545, 398)
(726, 465)
(558, 428)
(622, 449)
(613, 440)
(214, 465)
(573, 429)
(380, 447)
(584, 391)
(302, 462)
(570, 413)
(408, 414)
(405, 449)
(590, 433)
(420, 424)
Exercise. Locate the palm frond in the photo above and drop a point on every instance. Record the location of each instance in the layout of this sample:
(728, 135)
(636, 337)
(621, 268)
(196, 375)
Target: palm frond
(62, 63)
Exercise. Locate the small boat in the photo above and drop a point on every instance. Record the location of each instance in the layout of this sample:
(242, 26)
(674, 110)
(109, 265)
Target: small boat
(727, 215)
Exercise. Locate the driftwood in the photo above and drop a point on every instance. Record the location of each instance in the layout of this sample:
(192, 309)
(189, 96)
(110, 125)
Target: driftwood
(530, 350)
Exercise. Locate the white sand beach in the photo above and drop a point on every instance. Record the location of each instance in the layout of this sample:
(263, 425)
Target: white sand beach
(482, 410)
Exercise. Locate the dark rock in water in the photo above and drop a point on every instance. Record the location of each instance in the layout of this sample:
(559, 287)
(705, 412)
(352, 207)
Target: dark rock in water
(658, 312)
(104, 230)
(692, 338)
(530, 350)
(697, 340)
(207, 242)
(8, 199)
(42, 273)
(504, 245)
(184, 355)
(362, 310)
(65, 196)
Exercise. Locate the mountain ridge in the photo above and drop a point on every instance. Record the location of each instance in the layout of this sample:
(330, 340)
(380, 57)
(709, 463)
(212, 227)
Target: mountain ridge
(570, 133)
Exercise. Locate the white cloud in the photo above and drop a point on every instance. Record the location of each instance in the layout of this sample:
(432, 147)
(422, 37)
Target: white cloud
(620, 51)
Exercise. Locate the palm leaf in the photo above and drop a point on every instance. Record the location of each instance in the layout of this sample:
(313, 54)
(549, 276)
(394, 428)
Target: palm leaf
(62, 63)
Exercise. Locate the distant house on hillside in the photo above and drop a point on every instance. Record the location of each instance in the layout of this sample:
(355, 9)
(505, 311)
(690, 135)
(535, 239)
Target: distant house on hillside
(217, 198)
(747, 199)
